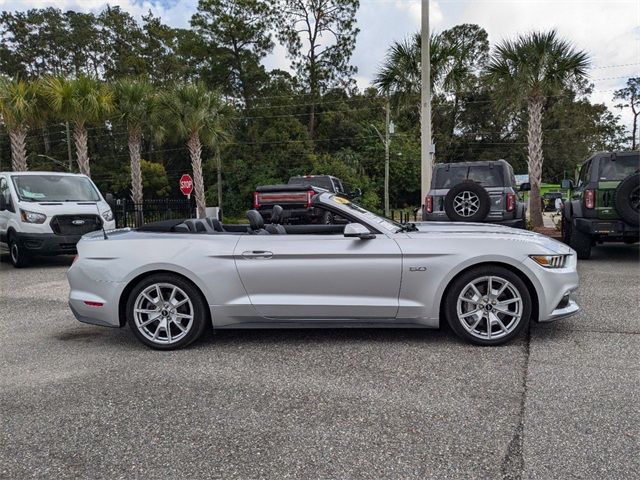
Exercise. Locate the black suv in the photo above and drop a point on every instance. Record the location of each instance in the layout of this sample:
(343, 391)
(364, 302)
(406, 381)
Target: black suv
(482, 191)
(603, 206)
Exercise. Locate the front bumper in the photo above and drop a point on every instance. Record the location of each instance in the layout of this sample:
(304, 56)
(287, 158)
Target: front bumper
(570, 309)
(47, 243)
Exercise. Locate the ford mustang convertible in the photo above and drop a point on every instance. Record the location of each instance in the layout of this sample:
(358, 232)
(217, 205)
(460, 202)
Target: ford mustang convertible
(171, 280)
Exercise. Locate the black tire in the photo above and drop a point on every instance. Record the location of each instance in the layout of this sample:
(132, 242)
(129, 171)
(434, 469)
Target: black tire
(497, 273)
(626, 199)
(476, 204)
(580, 242)
(197, 308)
(19, 258)
(566, 226)
(327, 218)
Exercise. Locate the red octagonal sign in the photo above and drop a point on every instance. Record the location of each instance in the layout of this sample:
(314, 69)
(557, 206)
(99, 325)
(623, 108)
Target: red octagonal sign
(186, 184)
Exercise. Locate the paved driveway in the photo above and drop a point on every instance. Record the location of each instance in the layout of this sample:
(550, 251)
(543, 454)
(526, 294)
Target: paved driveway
(83, 401)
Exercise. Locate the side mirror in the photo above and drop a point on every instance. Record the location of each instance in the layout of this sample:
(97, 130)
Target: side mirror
(566, 184)
(109, 198)
(357, 230)
(525, 187)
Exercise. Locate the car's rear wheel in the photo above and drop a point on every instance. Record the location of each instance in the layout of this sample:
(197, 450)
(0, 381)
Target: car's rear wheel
(18, 256)
(166, 311)
(488, 305)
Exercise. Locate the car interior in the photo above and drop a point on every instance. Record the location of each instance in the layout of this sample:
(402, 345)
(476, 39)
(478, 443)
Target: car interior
(256, 226)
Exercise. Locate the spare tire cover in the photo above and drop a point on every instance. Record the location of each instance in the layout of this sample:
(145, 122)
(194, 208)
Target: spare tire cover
(626, 199)
(467, 202)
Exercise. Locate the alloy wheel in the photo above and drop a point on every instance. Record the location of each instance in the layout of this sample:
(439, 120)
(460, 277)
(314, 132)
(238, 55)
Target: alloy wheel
(466, 203)
(163, 313)
(489, 307)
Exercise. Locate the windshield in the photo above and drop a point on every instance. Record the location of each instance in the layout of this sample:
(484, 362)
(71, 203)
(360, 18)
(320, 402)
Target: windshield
(620, 168)
(322, 182)
(376, 220)
(54, 188)
(482, 174)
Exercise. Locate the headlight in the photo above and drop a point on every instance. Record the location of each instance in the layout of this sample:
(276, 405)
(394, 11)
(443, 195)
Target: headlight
(550, 261)
(108, 215)
(32, 217)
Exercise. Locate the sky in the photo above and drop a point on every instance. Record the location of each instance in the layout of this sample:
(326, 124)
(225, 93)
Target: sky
(608, 29)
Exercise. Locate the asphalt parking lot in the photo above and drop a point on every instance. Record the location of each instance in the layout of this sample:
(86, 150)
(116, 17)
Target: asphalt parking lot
(78, 401)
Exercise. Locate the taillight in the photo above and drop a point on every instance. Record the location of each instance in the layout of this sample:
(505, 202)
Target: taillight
(75, 259)
(428, 203)
(90, 303)
(256, 200)
(310, 194)
(511, 202)
(589, 199)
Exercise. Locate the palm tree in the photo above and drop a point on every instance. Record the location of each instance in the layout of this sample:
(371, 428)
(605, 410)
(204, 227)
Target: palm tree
(134, 104)
(191, 113)
(18, 110)
(527, 71)
(401, 73)
(83, 101)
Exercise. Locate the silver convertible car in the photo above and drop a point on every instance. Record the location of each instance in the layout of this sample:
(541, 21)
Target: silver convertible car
(171, 280)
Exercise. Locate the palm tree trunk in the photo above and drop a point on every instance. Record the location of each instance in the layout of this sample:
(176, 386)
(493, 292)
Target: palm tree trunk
(195, 151)
(18, 137)
(534, 138)
(82, 149)
(135, 145)
(219, 164)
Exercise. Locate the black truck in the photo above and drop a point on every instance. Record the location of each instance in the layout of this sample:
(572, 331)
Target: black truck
(295, 198)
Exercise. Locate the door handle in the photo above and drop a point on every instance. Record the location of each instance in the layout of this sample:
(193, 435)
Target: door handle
(257, 254)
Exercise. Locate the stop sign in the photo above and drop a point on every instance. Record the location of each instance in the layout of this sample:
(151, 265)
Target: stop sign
(186, 184)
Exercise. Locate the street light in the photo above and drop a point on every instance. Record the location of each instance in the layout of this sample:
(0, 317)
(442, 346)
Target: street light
(389, 130)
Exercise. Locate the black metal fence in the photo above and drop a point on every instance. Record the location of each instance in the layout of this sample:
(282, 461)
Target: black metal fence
(130, 214)
(404, 216)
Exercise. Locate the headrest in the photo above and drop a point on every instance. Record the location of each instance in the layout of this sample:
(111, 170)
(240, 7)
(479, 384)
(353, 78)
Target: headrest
(256, 222)
(276, 214)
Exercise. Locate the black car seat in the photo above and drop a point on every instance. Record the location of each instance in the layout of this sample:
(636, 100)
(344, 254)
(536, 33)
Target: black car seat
(256, 223)
(198, 225)
(215, 224)
(276, 217)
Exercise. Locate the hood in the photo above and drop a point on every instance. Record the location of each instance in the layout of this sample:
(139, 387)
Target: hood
(66, 208)
(487, 230)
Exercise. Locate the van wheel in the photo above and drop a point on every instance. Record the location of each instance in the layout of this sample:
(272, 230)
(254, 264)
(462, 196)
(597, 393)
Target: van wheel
(18, 257)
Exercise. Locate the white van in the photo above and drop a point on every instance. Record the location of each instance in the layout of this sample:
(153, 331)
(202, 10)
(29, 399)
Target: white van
(46, 213)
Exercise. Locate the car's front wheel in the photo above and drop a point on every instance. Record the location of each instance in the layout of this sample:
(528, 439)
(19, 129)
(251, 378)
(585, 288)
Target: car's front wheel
(488, 305)
(19, 257)
(166, 311)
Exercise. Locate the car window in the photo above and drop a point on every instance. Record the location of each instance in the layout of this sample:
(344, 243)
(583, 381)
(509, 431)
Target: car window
(584, 174)
(485, 175)
(54, 188)
(4, 190)
(322, 182)
(618, 169)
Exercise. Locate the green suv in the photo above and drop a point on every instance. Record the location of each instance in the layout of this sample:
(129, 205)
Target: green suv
(603, 206)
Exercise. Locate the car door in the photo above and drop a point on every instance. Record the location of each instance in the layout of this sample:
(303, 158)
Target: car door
(320, 277)
(5, 214)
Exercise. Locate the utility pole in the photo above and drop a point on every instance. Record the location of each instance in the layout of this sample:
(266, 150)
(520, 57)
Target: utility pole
(389, 129)
(427, 147)
(386, 160)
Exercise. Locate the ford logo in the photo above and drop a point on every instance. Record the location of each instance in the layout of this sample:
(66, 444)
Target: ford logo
(78, 222)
